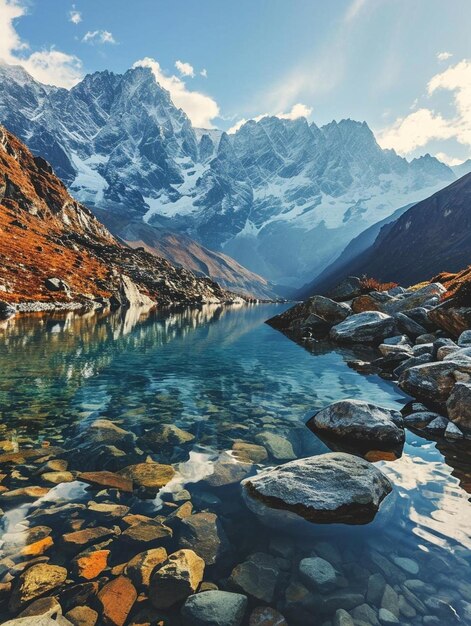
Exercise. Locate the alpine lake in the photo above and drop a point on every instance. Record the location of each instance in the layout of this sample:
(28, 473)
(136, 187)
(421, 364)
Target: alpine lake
(218, 395)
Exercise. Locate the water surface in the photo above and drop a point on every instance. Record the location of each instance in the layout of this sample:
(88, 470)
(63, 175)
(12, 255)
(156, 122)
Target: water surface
(223, 375)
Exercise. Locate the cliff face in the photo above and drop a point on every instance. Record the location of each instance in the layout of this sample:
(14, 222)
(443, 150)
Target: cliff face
(52, 248)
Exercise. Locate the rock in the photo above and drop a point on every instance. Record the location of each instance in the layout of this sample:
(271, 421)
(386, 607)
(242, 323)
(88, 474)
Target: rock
(408, 565)
(151, 476)
(43, 606)
(34, 582)
(279, 447)
(342, 618)
(6, 310)
(359, 421)
(140, 567)
(318, 574)
(56, 478)
(204, 534)
(249, 452)
(117, 599)
(178, 578)
(24, 494)
(400, 351)
(390, 600)
(464, 340)
(348, 289)
(80, 539)
(386, 617)
(409, 326)
(328, 310)
(437, 426)
(375, 589)
(82, 616)
(110, 512)
(420, 419)
(227, 471)
(451, 317)
(431, 381)
(417, 297)
(106, 479)
(56, 284)
(34, 620)
(412, 362)
(459, 405)
(332, 487)
(37, 548)
(91, 564)
(266, 616)
(214, 608)
(165, 435)
(453, 432)
(365, 614)
(257, 576)
(146, 534)
(398, 340)
(370, 327)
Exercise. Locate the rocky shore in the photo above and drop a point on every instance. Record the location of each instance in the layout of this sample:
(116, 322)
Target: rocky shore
(423, 343)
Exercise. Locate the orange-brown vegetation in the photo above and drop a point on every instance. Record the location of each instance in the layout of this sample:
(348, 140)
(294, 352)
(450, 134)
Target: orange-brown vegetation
(458, 286)
(368, 284)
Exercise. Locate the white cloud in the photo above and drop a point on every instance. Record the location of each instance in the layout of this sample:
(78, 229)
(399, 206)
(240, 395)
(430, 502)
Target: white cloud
(449, 160)
(75, 16)
(417, 129)
(204, 73)
(185, 69)
(98, 37)
(200, 108)
(444, 56)
(297, 110)
(52, 66)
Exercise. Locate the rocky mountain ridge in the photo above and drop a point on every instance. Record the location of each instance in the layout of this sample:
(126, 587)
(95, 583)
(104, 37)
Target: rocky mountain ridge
(55, 253)
(282, 197)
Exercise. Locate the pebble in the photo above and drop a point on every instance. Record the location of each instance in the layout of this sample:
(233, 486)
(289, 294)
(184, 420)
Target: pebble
(318, 574)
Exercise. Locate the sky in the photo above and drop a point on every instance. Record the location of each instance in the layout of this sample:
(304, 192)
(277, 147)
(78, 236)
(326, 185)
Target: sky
(403, 66)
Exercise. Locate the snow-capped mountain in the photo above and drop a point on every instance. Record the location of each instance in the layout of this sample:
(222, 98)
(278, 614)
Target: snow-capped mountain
(282, 197)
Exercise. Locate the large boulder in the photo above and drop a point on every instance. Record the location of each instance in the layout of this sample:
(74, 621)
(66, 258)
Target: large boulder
(214, 608)
(369, 327)
(416, 298)
(359, 421)
(332, 487)
(433, 382)
(349, 288)
(459, 405)
(35, 582)
(317, 314)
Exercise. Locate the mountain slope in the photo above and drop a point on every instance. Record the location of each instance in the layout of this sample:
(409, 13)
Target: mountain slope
(283, 197)
(45, 234)
(431, 237)
(354, 251)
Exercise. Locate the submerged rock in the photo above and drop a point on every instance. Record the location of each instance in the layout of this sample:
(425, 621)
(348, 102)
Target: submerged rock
(332, 487)
(359, 421)
(117, 599)
(204, 533)
(214, 608)
(369, 327)
(178, 578)
(318, 574)
(36, 581)
(150, 476)
(257, 576)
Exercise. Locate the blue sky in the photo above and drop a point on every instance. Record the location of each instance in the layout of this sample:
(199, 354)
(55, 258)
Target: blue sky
(404, 66)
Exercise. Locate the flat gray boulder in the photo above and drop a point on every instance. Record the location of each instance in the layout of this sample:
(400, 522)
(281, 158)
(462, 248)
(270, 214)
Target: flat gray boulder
(359, 421)
(369, 327)
(214, 608)
(332, 487)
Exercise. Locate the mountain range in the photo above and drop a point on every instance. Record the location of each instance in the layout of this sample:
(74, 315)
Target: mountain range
(282, 197)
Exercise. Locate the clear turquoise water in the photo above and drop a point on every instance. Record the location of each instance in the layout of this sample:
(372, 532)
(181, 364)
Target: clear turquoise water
(224, 375)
